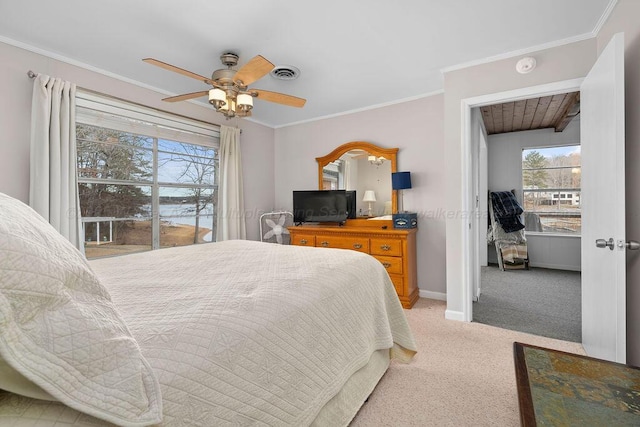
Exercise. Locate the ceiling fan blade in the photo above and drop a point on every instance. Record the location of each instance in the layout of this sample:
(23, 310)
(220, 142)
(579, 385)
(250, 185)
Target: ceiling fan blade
(186, 96)
(253, 70)
(279, 98)
(177, 70)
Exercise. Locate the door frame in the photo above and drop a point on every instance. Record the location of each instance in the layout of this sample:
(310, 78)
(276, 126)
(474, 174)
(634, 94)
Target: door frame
(471, 224)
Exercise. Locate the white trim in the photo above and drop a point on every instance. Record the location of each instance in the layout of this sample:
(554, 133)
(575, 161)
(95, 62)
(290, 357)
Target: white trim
(440, 296)
(543, 234)
(604, 17)
(109, 105)
(103, 111)
(467, 184)
(454, 315)
(84, 65)
(467, 206)
(520, 52)
(550, 45)
(555, 266)
(370, 107)
(80, 64)
(524, 93)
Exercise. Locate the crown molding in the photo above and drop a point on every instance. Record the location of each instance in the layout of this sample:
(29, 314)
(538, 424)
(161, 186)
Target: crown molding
(556, 43)
(79, 64)
(604, 17)
(520, 52)
(359, 110)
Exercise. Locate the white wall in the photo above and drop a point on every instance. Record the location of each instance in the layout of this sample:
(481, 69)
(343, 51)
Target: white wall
(416, 128)
(15, 112)
(505, 174)
(376, 178)
(624, 18)
(555, 64)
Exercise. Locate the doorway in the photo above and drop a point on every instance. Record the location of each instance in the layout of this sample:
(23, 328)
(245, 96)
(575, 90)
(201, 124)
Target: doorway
(604, 244)
(472, 196)
(531, 148)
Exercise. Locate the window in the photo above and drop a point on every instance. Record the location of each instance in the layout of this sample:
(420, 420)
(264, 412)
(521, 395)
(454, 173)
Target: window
(147, 180)
(551, 189)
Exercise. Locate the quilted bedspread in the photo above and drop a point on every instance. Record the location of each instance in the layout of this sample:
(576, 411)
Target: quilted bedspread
(250, 333)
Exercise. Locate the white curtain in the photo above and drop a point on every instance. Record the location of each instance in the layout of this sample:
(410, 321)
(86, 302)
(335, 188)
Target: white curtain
(53, 191)
(231, 220)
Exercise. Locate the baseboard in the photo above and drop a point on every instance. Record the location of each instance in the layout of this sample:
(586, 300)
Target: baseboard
(555, 266)
(440, 296)
(454, 315)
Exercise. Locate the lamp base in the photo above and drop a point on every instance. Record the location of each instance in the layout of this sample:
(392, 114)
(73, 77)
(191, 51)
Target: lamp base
(405, 220)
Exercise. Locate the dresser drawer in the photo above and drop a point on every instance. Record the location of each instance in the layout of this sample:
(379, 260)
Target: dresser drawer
(388, 247)
(392, 264)
(398, 283)
(303, 239)
(360, 244)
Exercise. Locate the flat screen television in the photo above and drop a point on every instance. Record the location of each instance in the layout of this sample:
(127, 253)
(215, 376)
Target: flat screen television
(323, 206)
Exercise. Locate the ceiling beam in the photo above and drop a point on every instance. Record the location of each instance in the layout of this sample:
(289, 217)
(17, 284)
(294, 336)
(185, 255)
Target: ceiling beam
(571, 110)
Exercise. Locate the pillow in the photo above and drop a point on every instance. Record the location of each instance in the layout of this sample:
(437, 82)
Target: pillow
(11, 380)
(59, 328)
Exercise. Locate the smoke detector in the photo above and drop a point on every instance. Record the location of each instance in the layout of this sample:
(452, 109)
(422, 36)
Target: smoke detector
(526, 65)
(285, 72)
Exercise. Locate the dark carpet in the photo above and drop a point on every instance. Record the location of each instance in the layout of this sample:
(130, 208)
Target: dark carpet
(538, 301)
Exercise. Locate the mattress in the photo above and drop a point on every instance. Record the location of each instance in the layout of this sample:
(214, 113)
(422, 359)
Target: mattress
(250, 333)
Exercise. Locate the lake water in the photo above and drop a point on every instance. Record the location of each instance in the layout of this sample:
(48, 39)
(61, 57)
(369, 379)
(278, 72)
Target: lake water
(177, 214)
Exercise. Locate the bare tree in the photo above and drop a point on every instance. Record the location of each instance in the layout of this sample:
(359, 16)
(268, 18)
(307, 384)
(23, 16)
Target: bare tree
(198, 172)
(107, 154)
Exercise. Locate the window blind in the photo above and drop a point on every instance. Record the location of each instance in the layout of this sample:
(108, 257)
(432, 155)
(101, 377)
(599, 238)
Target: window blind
(101, 111)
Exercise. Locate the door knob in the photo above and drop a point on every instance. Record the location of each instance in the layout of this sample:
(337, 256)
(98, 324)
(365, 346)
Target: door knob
(601, 243)
(632, 245)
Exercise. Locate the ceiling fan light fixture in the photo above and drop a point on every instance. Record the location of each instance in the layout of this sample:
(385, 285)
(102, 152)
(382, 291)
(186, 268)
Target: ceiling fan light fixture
(245, 101)
(217, 98)
(230, 94)
(229, 112)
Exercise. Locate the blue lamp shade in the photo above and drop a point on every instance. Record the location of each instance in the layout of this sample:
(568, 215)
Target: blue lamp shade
(401, 180)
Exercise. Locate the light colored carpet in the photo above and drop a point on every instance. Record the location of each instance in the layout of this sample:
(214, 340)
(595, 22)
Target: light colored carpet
(463, 375)
(539, 301)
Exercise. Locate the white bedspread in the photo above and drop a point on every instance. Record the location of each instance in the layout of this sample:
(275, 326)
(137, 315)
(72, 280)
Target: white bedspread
(249, 333)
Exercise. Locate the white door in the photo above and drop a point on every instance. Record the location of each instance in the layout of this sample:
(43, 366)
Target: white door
(603, 206)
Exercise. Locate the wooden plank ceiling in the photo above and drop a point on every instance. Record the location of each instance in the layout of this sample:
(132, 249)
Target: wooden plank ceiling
(554, 111)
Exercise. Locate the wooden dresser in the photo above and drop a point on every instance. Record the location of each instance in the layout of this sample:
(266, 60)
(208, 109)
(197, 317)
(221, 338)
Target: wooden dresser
(394, 248)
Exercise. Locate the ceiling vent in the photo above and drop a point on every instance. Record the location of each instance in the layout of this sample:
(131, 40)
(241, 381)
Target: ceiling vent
(285, 72)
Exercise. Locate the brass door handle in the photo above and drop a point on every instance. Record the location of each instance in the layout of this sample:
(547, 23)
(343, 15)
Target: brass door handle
(303, 241)
(385, 247)
(386, 264)
(324, 244)
(357, 246)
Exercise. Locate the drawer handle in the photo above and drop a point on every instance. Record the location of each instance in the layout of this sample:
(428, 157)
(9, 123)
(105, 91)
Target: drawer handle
(386, 264)
(357, 246)
(385, 247)
(324, 244)
(303, 241)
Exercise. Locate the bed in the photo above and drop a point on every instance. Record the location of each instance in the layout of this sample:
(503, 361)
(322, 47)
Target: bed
(239, 333)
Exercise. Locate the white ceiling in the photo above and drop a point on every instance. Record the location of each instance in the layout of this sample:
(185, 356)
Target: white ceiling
(352, 54)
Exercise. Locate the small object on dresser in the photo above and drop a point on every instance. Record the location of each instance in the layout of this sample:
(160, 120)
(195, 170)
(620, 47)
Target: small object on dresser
(405, 220)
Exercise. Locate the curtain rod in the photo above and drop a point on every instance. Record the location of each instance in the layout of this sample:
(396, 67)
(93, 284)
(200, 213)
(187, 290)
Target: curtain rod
(33, 75)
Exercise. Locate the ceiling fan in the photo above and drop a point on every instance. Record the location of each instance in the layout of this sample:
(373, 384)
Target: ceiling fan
(230, 94)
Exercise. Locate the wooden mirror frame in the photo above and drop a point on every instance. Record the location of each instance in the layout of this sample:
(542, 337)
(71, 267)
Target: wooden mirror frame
(390, 154)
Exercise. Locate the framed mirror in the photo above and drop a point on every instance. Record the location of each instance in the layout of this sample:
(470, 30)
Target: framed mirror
(365, 168)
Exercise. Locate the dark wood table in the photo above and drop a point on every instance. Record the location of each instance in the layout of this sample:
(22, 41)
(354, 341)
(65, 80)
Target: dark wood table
(563, 389)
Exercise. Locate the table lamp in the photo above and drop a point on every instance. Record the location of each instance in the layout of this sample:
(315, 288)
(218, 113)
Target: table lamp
(400, 181)
(369, 197)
